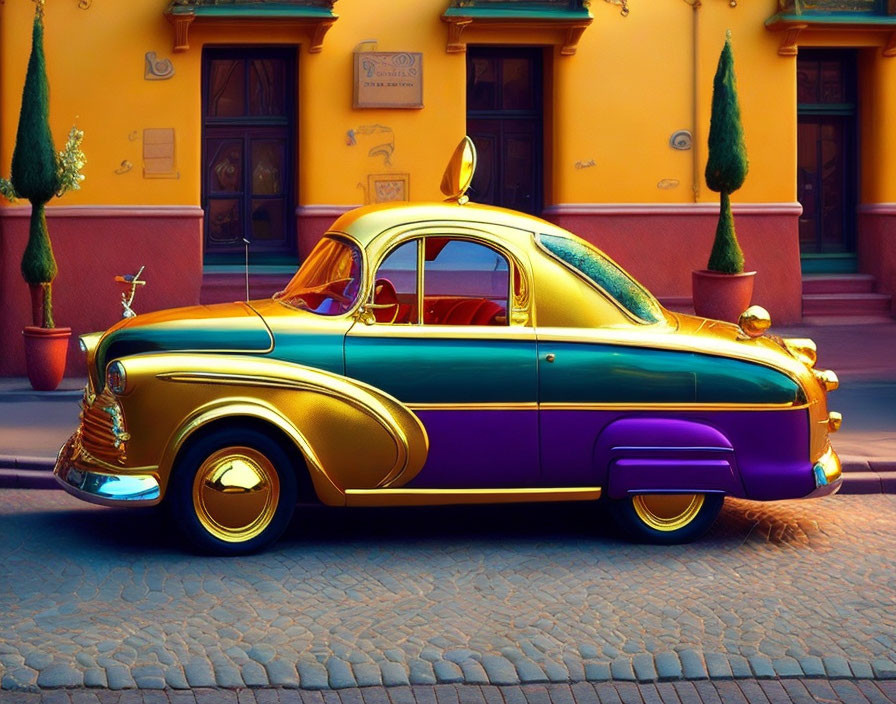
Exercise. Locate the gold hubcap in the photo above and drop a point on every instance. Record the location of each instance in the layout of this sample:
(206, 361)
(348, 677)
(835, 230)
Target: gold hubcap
(235, 494)
(667, 512)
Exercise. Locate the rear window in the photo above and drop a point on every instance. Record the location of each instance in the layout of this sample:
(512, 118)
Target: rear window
(608, 276)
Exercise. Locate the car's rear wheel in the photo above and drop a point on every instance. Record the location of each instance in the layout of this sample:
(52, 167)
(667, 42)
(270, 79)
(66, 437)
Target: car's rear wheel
(666, 519)
(233, 491)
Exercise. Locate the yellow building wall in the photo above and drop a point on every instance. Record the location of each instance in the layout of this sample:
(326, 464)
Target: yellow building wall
(616, 102)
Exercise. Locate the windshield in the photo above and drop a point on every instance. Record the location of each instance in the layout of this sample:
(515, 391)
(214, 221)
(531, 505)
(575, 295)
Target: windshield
(608, 275)
(328, 281)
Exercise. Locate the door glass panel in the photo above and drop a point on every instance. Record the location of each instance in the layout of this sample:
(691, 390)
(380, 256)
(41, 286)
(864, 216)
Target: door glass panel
(807, 187)
(482, 190)
(482, 84)
(268, 221)
(225, 174)
(832, 88)
(807, 81)
(267, 167)
(266, 87)
(395, 286)
(517, 91)
(464, 283)
(227, 88)
(225, 220)
(832, 183)
(518, 187)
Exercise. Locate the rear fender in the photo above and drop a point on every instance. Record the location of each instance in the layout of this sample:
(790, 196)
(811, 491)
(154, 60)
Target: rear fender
(666, 455)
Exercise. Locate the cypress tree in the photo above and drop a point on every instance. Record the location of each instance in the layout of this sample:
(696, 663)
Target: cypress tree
(727, 165)
(35, 175)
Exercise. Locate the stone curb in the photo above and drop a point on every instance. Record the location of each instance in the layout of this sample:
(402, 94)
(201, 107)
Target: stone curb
(689, 665)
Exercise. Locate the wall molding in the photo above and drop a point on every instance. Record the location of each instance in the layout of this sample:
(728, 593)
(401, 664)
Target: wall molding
(107, 211)
(877, 209)
(324, 211)
(794, 209)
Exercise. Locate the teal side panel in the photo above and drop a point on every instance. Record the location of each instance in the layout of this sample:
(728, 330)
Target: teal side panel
(434, 370)
(319, 348)
(586, 373)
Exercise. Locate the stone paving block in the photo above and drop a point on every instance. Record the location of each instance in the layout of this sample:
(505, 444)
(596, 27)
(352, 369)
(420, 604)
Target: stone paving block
(262, 652)
(762, 667)
(871, 692)
(199, 673)
(884, 669)
(561, 694)
(446, 693)
(55, 697)
(340, 674)
(584, 693)
(313, 696)
(650, 695)
(787, 667)
(56, 675)
(717, 666)
(246, 696)
(861, 670)
(95, 677)
(500, 670)
(412, 695)
(821, 690)
(643, 666)
(175, 677)
(836, 666)
(555, 671)
(668, 666)
(740, 666)
(491, 694)
(628, 692)
(351, 695)
(119, 677)
(473, 672)
(470, 694)
(797, 692)
(536, 694)
(848, 692)
(421, 672)
(529, 671)
(597, 671)
(367, 674)
(370, 695)
(621, 670)
(84, 697)
(447, 672)
(692, 665)
(268, 696)
(254, 674)
(513, 695)
(729, 692)
(312, 675)
(281, 673)
(686, 692)
(812, 666)
(709, 694)
(667, 693)
(607, 693)
(393, 674)
(861, 483)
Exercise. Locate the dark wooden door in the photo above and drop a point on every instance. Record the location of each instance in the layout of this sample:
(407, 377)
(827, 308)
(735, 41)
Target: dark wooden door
(826, 146)
(248, 178)
(504, 120)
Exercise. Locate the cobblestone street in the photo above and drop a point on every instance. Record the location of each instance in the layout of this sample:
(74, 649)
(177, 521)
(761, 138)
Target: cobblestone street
(92, 597)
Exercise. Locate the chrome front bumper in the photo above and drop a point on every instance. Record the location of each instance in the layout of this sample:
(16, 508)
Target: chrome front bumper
(100, 487)
(828, 475)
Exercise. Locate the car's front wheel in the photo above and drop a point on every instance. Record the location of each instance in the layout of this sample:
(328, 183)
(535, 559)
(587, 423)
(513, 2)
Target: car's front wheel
(233, 491)
(666, 519)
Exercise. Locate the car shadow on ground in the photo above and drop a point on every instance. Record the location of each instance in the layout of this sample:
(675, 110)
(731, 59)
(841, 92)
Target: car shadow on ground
(97, 530)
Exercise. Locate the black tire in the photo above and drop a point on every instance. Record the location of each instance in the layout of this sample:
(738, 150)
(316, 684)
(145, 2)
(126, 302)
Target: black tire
(633, 519)
(228, 447)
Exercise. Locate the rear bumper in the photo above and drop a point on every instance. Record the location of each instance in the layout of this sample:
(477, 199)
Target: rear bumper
(78, 478)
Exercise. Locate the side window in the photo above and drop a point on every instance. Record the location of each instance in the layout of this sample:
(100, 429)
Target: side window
(395, 286)
(464, 283)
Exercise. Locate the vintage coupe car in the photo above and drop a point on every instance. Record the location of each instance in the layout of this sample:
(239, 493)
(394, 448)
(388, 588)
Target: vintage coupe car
(447, 353)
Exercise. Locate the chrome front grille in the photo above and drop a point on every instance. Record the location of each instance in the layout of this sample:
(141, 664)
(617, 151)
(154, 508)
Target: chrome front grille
(103, 431)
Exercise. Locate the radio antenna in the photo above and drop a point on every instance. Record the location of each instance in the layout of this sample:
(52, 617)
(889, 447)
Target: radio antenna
(246, 242)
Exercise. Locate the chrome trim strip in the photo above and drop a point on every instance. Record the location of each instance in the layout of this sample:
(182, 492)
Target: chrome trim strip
(435, 497)
(676, 448)
(105, 489)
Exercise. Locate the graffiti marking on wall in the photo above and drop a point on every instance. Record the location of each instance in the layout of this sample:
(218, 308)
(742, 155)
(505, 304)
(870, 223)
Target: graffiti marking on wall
(157, 69)
(383, 137)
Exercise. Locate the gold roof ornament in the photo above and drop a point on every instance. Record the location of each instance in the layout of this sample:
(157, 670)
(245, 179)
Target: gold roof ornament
(459, 172)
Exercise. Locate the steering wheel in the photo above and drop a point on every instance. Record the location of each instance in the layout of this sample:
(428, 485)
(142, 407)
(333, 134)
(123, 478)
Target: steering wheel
(384, 295)
(327, 290)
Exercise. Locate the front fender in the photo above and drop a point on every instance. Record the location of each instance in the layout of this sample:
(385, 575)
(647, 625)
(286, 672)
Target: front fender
(352, 435)
(664, 455)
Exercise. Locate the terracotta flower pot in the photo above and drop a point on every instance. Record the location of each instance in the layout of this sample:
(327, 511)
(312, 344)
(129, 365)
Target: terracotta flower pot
(722, 296)
(45, 353)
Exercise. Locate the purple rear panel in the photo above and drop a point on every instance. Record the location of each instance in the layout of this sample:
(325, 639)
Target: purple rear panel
(479, 449)
(771, 448)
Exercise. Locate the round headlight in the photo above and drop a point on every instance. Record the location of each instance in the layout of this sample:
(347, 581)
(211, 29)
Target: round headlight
(116, 379)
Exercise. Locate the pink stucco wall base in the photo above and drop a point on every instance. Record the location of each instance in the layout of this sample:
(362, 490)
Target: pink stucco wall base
(877, 246)
(661, 245)
(92, 245)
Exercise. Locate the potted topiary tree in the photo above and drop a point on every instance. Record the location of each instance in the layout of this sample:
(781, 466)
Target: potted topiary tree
(723, 290)
(39, 174)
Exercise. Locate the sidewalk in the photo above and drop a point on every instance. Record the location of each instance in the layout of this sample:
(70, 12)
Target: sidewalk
(34, 425)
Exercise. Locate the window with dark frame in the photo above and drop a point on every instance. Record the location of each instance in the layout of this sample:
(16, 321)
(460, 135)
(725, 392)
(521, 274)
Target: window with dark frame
(248, 151)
